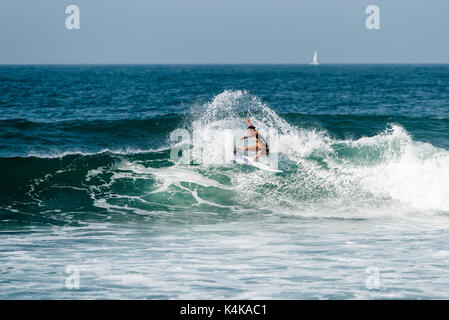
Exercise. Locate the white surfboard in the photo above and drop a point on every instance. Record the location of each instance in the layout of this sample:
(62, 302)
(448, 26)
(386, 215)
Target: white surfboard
(240, 158)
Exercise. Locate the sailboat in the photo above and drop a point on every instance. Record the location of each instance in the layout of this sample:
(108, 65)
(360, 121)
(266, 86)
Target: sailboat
(315, 58)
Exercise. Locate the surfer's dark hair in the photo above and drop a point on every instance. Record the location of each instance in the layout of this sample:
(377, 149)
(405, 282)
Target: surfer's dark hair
(251, 127)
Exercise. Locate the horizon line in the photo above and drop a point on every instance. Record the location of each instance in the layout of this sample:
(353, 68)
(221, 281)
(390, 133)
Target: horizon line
(222, 63)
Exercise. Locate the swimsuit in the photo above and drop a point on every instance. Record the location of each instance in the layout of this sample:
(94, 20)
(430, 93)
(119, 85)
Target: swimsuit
(262, 141)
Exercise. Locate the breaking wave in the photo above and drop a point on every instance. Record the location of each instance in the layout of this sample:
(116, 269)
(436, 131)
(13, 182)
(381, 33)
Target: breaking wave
(386, 174)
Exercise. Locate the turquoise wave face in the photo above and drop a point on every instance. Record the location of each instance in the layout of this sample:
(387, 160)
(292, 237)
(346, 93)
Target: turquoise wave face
(319, 172)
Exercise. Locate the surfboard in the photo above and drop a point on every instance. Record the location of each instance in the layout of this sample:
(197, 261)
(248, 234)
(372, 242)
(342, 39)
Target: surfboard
(242, 159)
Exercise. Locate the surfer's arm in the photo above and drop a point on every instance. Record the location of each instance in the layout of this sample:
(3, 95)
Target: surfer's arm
(248, 122)
(246, 137)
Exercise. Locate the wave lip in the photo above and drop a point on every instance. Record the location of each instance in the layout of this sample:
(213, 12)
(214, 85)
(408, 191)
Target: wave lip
(119, 151)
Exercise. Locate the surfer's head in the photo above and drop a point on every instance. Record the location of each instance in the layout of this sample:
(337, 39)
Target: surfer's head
(251, 129)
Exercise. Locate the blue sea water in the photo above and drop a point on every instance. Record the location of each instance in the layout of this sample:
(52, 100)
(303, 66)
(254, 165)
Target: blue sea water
(360, 211)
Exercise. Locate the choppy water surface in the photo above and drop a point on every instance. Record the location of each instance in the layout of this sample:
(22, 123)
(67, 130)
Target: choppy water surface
(361, 209)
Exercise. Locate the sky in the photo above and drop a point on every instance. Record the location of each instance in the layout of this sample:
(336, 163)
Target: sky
(223, 31)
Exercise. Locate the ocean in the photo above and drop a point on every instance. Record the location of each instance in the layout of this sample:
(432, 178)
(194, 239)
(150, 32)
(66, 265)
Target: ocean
(94, 206)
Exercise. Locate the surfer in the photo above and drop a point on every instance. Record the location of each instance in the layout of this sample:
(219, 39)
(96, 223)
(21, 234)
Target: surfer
(261, 146)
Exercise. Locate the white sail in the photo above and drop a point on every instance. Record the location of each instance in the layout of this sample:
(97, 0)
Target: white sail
(315, 58)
